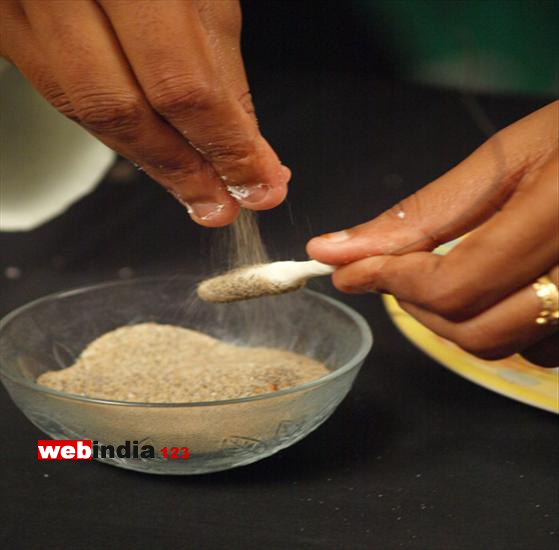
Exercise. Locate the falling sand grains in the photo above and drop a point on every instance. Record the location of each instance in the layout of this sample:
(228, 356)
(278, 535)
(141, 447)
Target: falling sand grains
(155, 363)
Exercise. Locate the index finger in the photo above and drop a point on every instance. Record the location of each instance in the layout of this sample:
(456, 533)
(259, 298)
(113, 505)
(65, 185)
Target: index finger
(171, 57)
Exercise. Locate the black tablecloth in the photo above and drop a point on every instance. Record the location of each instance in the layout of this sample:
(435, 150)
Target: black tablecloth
(415, 457)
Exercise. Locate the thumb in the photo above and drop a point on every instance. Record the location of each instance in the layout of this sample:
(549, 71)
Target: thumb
(453, 204)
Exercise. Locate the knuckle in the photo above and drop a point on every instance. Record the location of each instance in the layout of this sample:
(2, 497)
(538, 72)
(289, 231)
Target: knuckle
(59, 100)
(53, 93)
(446, 295)
(234, 149)
(108, 114)
(176, 174)
(479, 341)
(178, 170)
(341, 283)
(246, 103)
(446, 302)
(178, 95)
(63, 105)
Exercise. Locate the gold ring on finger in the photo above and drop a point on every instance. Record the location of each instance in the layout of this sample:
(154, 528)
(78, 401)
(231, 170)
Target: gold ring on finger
(547, 292)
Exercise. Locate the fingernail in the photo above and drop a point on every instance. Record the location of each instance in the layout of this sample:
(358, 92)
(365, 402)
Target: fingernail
(337, 237)
(249, 193)
(204, 210)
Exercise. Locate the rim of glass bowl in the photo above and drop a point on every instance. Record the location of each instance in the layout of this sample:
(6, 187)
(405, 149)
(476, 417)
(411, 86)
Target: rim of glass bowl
(361, 353)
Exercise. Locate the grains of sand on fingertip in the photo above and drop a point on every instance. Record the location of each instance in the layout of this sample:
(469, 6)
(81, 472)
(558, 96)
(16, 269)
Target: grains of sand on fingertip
(154, 363)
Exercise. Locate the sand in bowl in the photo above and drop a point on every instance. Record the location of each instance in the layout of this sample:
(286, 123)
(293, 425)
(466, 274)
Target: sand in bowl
(155, 363)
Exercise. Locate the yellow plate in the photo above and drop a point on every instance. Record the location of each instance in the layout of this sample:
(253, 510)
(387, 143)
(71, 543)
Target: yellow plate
(513, 377)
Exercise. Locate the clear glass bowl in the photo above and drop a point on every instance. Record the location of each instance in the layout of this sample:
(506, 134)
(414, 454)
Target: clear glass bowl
(50, 333)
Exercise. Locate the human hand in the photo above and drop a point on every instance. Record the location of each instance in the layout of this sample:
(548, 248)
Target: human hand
(479, 295)
(161, 83)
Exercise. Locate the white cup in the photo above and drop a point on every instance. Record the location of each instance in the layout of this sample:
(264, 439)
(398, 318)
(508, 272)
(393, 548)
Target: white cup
(47, 162)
